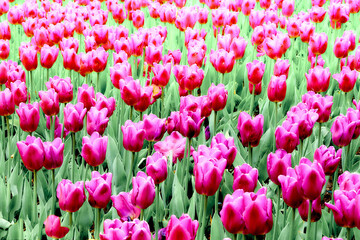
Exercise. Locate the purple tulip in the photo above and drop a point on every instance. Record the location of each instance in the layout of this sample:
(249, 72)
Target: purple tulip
(321, 104)
(184, 227)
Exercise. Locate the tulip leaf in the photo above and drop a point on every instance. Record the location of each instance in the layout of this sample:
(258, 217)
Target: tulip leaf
(85, 216)
(217, 229)
(176, 203)
(4, 224)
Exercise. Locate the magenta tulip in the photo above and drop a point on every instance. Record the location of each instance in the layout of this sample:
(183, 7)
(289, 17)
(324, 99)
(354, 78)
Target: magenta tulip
(143, 192)
(250, 129)
(245, 178)
(124, 207)
(277, 164)
(94, 149)
(32, 153)
(71, 196)
(184, 227)
(290, 188)
(156, 167)
(29, 116)
(54, 154)
(99, 189)
(53, 227)
(328, 158)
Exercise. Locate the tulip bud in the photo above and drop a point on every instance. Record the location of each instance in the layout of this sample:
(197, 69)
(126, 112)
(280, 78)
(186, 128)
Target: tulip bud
(53, 227)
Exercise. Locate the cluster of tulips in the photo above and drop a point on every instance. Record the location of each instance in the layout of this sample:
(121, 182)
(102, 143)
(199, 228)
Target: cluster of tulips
(142, 174)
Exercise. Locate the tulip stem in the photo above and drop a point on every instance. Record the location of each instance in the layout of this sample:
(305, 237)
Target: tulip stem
(8, 142)
(276, 114)
(32, 91)
(319, 139)
(252, 100)
(308, 230)
(70, 220)
(21, 228)
(52, 131)
(141, 116)
(142, 215)
(187, 166)
(277, 213)
(348, 230)
(35, 199)
(301, 149)
(250, 154)
(53, 191)
(347, 158)
(292, 224)
(203, 221)
(215, 114)
(73, 158)
(130, 172)
(131, 112)
(157, 198)
(97, 223)
(97, 82)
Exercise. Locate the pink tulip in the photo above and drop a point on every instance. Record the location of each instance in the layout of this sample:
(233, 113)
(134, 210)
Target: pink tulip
(29, 116)
(48, 56)
(318, 79)
(19, 92)
(71, 196)
(156, 167)
(62, 87)
(256, 71)
(99, 59)
(307, 29)
(28, 57)
(258, 36)
(290, 188)
(241, 211)
(277, 164)
(103, 102)
(342, 131)
(86, 96)
(277, 88)
(53, 227)
(119, 71)
(154, 127)
(143, 193)
(281, 67)
(54, 154)
(288, 8)
(99, 189)
(250, 129)
(134, 136)
(238, 46)
(138, 19)
(208, 172)
(49, 102)
(217, 96)
(311, 178)
(222, 60)
(321, 104)
(161, 74)
(328, 158)
(124, 207)
(32, 153)
(74, 117)
(4, 49)
(173, 144)
(190, 123)
(315, 210)
(226, 147)
(5, 32)
(318, 43)
(184, 227)
(287, 136)
(346, 78)
(94, 149)
(341, 47)
(317, 14)
(245, 178)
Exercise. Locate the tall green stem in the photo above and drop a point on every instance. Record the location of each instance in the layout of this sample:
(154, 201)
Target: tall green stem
(32, 91)
(277, 213)
(97, 223)
(157, 209)
(35, 199)
(301, 149)
(53, 191)
(130, 172)
(347, 159)
(70, 220)
(308, 230)
(187, 166)
(276, 114)
(131, 112)
(348, 230)
(215, 114)
(142, 215)
(98, 82)
(250, 154)
(252, 100)
(8, 142)
(292, 230)
(52, 131)
(73, 158)
(203, 221)
(319, 137)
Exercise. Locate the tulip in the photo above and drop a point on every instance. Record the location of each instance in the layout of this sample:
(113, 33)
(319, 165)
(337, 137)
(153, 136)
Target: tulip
(250, 129)
(328, 158)
(346, 79)
(245, 178)
(96, 120)
(307, 29)
(48, 56)
(173, 144)
(222, 61)
(69, 58)
(107, 103)
(32, 153)
(118, 72)
(350, 36)
(287, 137)
(101, 34)
(29, 116)
(281, 67)
(41, 37)
(318, 43)
(341, 47)
(49, 102)
(62, 87)
(184, 227)
(311, 178)
(217, 96)
(240, 213)
(145, 99)
(318, 79)
(188, 78)
(138, 18)
(190, 123)
(238, 46)
(74, 117)
(321, 104)
(120, 57)
(28, 57)
(317, 14)
(338, 14)
(94, 149)
(258, 36)
(288, 8)
(56, 33)
(86, 96)
(99, 189)
(99, 59)
(53, 227)
(208, 172)
(303, 118)
(277, 88)
(256, 71)
(277, 164)
(154, 127)
(71, 196)
(19, 92)
(124, 207)
(4, 49)
(156, 167)
(226, 147)
(54, 154)
(342, 131)
(143, 193)
(5, 32)
(134, 136)
(161, 74)
(290, 188)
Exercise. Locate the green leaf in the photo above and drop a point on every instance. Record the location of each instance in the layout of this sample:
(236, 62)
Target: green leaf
(4, 224)
(217, 229)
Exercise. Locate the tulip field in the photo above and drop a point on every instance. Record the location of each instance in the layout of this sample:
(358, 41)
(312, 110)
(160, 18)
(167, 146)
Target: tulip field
(180, 119)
